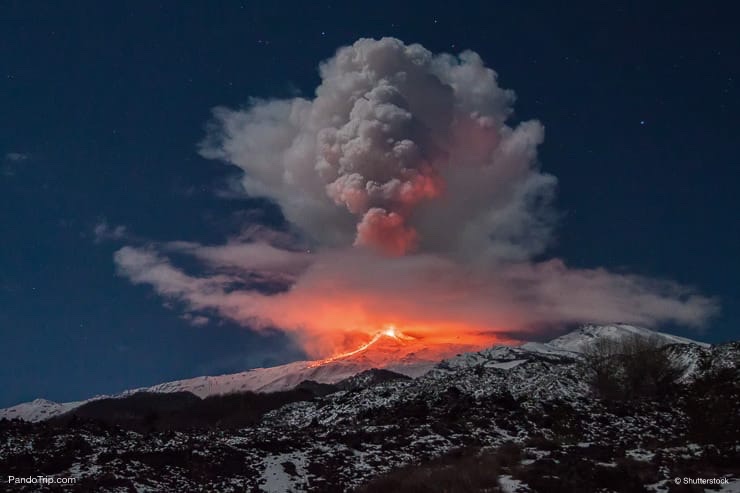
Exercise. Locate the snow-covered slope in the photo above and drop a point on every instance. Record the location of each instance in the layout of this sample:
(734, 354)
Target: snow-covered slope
(577, 340)
(385, 352)
(38, 410)
(273, 379)
(399, 354)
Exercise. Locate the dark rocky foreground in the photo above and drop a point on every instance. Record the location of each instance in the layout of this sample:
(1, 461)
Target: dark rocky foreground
(504, 419)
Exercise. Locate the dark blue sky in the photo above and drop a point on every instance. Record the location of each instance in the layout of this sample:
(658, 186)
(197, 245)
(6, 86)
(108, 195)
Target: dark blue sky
(103, 107)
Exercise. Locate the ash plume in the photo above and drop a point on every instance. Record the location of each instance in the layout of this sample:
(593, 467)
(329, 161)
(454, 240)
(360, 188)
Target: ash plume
(423, 206)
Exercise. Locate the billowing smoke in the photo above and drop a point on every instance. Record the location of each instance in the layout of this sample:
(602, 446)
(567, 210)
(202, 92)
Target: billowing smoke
(423, 207)
(401, 151)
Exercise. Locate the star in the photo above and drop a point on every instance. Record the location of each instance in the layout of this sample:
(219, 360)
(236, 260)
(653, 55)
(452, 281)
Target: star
(642, 122)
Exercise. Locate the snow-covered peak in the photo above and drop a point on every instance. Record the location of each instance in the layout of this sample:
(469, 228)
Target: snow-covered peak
(37, 410)
(577, 340)
(567, 346)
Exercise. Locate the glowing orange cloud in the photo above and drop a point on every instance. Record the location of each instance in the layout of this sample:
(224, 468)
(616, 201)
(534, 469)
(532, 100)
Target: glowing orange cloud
(343, 298)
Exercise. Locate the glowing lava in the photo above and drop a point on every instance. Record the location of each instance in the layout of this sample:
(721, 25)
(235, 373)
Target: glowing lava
(391, 345)
(390, 331)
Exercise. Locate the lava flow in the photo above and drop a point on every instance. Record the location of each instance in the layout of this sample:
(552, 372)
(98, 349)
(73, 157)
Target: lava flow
(391, 345)
(390, 331)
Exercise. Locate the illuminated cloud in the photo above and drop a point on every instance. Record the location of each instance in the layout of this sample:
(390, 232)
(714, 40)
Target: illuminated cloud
(400, 150)
(422, 206)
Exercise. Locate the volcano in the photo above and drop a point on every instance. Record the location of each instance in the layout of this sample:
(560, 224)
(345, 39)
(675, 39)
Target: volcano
(389, 349)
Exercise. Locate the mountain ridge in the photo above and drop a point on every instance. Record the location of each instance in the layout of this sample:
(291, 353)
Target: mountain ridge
(389, 352)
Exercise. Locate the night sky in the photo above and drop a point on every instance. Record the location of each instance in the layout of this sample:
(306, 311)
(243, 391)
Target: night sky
(103, 107)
